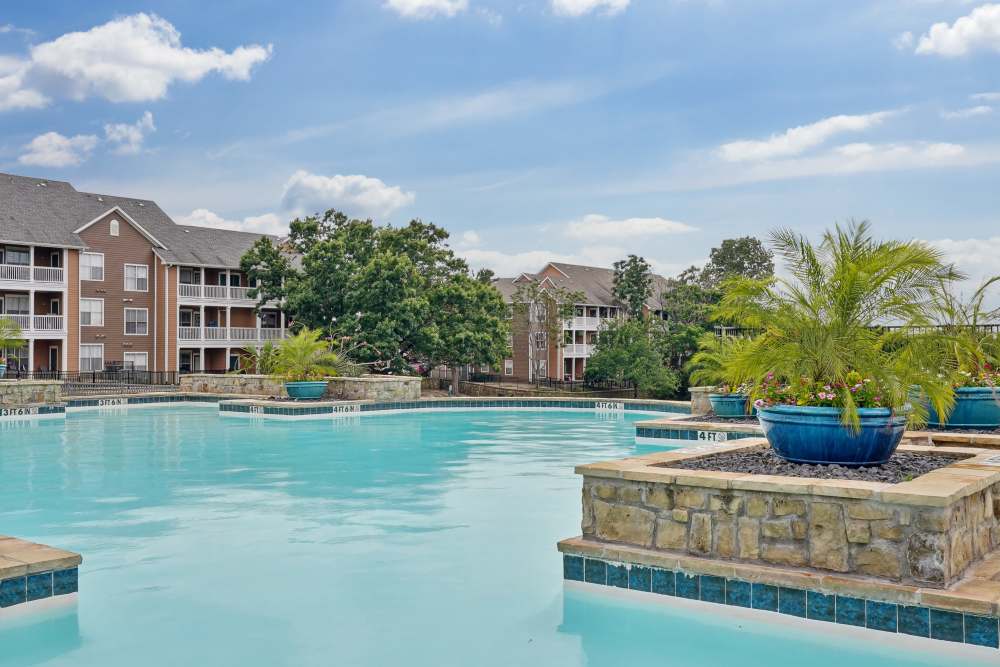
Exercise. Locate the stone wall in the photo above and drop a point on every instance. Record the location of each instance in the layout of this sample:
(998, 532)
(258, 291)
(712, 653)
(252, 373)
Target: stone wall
(526, 390)
(700, 405)
(27, 392)
(374, 388)
(244, 385)
(926, 546)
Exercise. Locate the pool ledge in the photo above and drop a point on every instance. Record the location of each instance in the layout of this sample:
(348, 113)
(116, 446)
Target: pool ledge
(30, 571)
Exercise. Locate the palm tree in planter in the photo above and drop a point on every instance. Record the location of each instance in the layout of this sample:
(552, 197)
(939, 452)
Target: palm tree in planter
(832, 379)
(10, 338)
(303, 361)
(976, 353)
(711, 365)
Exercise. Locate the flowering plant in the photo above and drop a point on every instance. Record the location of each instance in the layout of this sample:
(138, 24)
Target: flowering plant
(744, 388)
(854, 390)
(983, 376)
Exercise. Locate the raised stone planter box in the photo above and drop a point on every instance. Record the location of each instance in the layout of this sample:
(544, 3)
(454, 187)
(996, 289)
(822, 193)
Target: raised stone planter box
(30, 392)
(243, 385)
(374, 388)
(700, 404)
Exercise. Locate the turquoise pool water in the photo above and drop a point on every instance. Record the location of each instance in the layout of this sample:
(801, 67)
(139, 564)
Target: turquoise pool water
(412, 539)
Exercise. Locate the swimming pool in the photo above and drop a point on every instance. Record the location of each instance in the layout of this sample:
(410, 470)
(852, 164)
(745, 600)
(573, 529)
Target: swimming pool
(412, 538)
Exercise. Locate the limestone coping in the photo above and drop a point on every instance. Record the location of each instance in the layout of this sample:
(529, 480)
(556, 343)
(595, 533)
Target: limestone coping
(375, 378)
(977, 593)
(10, 382)
(694, 425)
(20, 557)
(974, 470)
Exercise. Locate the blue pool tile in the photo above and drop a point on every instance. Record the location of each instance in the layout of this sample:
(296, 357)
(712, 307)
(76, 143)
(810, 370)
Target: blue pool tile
(821, 607)
(687, 585)
(881, 616)
(713, 589)
(65, 581)
(764, 597)
(792, 601)
(595, 571)
(982, 631)
(617, 576)
(573, 567)
(850, 611)
(663, 582)
(13, 591)
(915, 621)
(737, 593)
(39, 586)
(640, 578)
(947, 625)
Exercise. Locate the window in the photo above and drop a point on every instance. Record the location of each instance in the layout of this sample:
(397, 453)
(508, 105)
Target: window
(540, 340)
(92, 266)
(136, 278)
(55, 258)
(190, 276)
(542, 368)
(235, 280)
(222, 279)
(190, 318)
(16, 304)
(15, 255)
(91, 358)
(55, 307)
(136, 321)
(508, 366)
(136, 361)
(113, 227)
(92, 312)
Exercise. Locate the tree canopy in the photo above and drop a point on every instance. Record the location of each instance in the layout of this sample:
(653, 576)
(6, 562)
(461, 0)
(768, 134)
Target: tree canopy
(633, 284)
(626, 351)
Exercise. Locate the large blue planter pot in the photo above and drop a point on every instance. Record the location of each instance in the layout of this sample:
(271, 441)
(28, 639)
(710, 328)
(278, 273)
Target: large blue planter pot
(3, 370)
(975, 407)
(306, 390)
(804, 434)
(729, 405)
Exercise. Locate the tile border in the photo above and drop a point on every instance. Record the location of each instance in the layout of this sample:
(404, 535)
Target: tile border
(28, 588)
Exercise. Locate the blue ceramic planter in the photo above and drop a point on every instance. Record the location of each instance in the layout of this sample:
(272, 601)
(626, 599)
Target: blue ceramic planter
(975, 407)
(804, 434)
(306, 390)
(729, 405)
(3, 370)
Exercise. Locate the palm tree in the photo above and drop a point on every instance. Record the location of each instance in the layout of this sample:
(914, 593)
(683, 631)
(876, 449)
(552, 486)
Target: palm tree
(11, 337)
(711, 365)
(305, 357)
(975, 349)
(830, 317)
(261, 359)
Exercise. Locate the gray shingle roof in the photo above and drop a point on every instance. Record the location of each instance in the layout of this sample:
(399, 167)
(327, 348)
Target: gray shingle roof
(596, 284)
(39, 211)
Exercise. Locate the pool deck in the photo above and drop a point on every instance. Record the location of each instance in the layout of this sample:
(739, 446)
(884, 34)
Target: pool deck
(30, 571)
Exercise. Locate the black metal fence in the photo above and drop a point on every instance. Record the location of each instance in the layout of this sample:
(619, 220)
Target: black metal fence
(119, 381)
(554, 385)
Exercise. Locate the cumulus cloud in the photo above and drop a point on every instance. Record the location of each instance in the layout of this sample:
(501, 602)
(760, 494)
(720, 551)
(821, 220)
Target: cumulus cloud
(977, 31)
(903, 41)
(353, 194)
(129, 59)
(970, 112)
(985, 97)
(268, 223)
(797, 140)
(596, 227)
(470, 238)
(426, 9)
(55, 150)
(127, 139)
(581, 7)
(975, 257)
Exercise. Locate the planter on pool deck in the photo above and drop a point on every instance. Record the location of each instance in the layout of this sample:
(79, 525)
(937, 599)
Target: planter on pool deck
(306, 390)
(3, 370)
(805, 434)
(975, 407)
(729, 405)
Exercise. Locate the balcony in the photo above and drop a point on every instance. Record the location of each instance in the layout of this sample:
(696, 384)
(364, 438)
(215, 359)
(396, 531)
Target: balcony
(28, 275)
(577, 350)
(234, 336)
(583, 323)
(34, 325)
(199, 293)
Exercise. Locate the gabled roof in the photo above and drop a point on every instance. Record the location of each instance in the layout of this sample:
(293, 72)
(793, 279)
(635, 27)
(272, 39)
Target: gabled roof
(596, 283)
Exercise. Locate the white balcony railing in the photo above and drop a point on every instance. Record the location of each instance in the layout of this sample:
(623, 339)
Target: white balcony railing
(216, 333)
(234, 335)
(240, 293)
(577, 350)
(190, 291)
(15, 272)
(47, 323)
(188, 333)
(22, 321)
(25, 274)
(244, 333)
(48, 274)
(583, 323)
(216, 292)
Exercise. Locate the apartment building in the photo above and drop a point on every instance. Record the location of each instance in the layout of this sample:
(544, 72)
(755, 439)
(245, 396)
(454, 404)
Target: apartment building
(565, 359)
(105, 282)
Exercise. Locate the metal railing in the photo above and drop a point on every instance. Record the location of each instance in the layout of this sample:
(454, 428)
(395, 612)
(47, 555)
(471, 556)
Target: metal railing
(111, 381)
(235, 334)
(984, 328)
(218, 292)
(555, 385)
(25, 273)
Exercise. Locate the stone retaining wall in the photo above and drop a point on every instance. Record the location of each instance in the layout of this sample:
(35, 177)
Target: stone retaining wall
(374, 388)
(798, 526)
(700, 405)
(244, 385)
(28, 392)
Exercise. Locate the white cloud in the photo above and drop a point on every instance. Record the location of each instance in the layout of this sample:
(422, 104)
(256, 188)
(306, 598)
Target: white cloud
(470, 238)
(426, 9)
(985, 97)
(581, 7)
(596, 227)
(128, 138)
(975, 257)
(903, 41)
(353, 194)
(797, 140)
(970, 112)
(979, 30)
(268, 223)
(54, 150)
(129, 59)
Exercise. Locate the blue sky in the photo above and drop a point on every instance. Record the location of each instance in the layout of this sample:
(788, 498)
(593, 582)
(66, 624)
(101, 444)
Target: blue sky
(581, 130)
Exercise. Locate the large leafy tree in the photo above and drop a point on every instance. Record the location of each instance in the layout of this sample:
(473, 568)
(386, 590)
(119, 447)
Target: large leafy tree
(744, 257)
(541, 308)
(633, 285)
(625, 351)
(369, 286)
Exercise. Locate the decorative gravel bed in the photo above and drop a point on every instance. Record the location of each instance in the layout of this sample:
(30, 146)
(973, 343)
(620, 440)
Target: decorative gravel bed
(977, 431)
(719, 420)
(902, 467)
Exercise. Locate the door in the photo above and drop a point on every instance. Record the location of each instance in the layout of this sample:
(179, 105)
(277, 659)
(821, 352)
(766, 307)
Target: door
(53, 357)
(55, 259)
(54, 308)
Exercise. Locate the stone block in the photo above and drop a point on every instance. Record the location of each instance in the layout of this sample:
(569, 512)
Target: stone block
(690, 498)
(776, 529)
(749, 538)
(927, 557)
(936, 521)
(784, 554)
(701, 533)
(828, 537)
(725, 538)
(619, 523)
(878, 561)
(858, 532)
(799, 529)
(680, 516)
(869, 511)
(783, 506)
(659, 496)
(887, 530)
(757, 506)
(727, 504)
(671, 535)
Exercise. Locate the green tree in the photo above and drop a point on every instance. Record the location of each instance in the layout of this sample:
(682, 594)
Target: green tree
(541, 310)
(11, 337)
(633, 285)
(744, 257)
(470, 324)
(625, 352)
